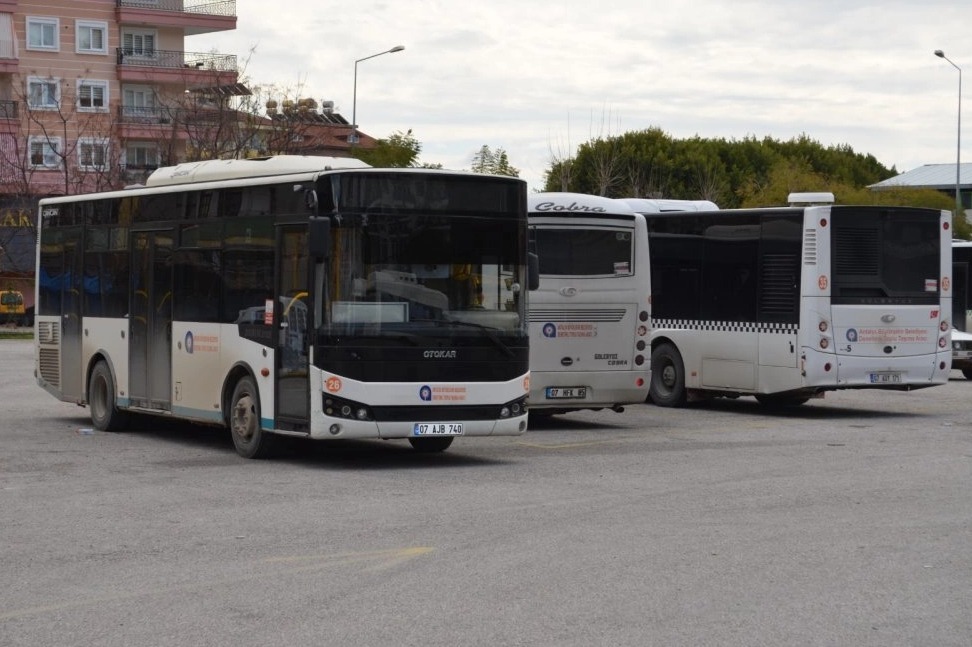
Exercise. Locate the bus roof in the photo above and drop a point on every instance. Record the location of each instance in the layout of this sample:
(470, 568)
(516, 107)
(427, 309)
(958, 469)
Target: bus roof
(660, 205)
(575, 204)
(233, 169)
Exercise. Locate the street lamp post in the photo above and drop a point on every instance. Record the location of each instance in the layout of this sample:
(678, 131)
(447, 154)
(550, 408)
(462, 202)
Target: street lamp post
(353, 137)
(958, 156)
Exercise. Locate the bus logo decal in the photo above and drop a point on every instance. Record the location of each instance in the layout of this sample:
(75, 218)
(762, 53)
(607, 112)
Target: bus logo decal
(425, 393)
(189, 342)
(439, 354)
(549, 330)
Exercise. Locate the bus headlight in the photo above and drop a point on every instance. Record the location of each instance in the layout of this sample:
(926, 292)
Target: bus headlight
(348, 409)
(513, 408)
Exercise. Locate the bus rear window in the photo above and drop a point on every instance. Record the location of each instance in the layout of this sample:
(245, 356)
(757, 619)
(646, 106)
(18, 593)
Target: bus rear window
(885, 255)
(583, 252)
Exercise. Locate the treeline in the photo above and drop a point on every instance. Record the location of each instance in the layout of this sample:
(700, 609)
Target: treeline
(732, 173)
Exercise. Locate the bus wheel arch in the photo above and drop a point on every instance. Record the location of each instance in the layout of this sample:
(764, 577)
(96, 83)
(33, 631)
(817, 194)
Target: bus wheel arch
(243, 415)
(100, 393)
(667, 388)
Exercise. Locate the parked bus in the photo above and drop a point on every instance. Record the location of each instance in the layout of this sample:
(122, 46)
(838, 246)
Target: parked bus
(12, 308)
(589, 317)
(303, 296)
(962, 292)
(788, 303)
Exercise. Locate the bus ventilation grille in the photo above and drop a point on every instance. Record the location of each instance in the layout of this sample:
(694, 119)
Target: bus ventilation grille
(575, 314)
(810, 247)
(49, 352)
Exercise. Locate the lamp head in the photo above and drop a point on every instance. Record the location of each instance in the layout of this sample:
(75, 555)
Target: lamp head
(396, 48)
(939, 53)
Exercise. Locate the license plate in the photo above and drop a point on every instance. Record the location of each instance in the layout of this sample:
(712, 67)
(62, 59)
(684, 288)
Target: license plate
(437, 429)
(884, 378)
(566, 392)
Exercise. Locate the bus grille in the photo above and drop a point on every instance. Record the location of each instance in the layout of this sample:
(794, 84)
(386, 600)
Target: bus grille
(575, 314)
(49, 352)
(810, 247)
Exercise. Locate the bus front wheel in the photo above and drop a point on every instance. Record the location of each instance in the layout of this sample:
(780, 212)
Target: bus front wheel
(667, 387)
(244, 421)
(101, 400)
(431, 445)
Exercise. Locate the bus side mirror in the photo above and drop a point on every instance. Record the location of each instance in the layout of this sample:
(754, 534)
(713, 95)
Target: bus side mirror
(320, 237)
(533, 271)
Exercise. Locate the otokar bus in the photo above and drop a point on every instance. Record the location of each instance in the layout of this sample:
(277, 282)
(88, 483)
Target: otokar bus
(788, 303)
(303, 296)
(589, 335)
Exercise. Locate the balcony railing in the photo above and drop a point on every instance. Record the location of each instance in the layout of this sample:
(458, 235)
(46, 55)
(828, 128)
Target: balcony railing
(199, 7)
(166, 116)
(173, 60)
(137, 115)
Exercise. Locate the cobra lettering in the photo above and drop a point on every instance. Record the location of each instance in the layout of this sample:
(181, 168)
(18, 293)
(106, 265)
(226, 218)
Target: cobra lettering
(439, 354)
(573, 206)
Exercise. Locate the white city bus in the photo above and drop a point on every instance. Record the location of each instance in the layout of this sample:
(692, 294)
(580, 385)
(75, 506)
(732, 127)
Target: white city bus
(589, 316)
(305, 296)
(788, 303)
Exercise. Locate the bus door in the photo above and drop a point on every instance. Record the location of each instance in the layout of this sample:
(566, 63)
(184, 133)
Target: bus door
(70, 287)
(150, 321)
(960, 292)
(291, 329)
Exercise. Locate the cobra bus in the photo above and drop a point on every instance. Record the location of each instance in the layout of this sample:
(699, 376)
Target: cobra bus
(300, 296)
(589, 316)
(787, 303)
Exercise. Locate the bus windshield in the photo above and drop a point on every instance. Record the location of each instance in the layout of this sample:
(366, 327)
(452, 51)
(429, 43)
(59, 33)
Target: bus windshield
(425, 258)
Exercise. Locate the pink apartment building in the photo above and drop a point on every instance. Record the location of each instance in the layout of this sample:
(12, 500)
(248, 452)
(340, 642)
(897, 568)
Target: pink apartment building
(91, 91)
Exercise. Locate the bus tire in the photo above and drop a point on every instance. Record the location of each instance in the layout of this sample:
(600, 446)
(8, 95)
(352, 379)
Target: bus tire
(667, 388)
(101, 400)
(431, 445)
(967, 372)
(250, 440)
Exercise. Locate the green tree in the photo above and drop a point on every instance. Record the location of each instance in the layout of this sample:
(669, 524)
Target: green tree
(492, 162)
(398, 150)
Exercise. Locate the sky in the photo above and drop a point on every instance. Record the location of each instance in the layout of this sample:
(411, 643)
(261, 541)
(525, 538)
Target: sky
(537, 78)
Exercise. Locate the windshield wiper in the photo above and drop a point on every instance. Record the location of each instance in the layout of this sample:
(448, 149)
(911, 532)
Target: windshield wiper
(489, 331)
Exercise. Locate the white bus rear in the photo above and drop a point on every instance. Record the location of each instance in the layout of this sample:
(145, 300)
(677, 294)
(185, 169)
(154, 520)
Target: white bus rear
(788, 303)
(589, 317)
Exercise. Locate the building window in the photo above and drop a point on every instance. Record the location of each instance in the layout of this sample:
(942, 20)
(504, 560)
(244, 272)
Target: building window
(92, 37)
(92, 95)
(142, 156)
(42, 33)
(92, 154)
(139, 43)
(43, 94)
(45, 152)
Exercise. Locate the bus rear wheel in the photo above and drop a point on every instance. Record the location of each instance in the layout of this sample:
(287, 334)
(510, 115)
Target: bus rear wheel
(250, 440)
(667, 388)
(101, 400)
(431, 445)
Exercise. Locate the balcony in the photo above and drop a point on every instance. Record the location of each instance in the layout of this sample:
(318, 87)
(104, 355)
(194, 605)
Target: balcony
(190, 69)
(192, 16)
(9, 117)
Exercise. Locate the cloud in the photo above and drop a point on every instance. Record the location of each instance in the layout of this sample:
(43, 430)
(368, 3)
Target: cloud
(537, 77)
